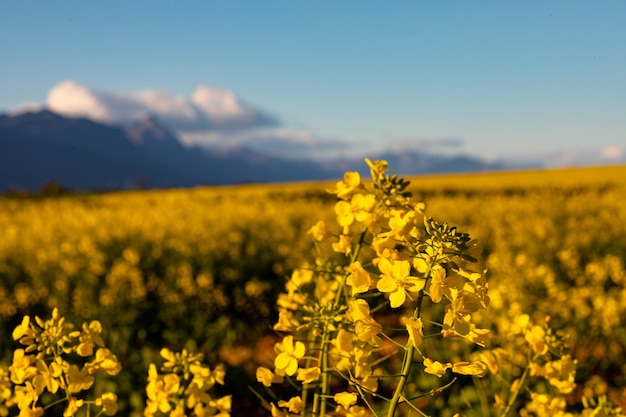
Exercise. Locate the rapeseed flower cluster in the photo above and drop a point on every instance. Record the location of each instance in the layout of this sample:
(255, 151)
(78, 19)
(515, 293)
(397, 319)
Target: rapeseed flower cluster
(385, 260)
(60, 361)
(184, 387)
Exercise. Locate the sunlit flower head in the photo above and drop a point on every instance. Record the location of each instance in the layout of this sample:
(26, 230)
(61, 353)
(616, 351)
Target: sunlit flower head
(286, 363)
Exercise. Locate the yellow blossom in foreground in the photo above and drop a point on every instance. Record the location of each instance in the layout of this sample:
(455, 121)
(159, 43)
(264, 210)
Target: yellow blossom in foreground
(377, 168)
(344, 245)
(78, 380)
(414, 328)
(362, 207)
(286, 362)
(351, 180)
(267, 377)
(223, 405)
(24, 333)
(157, 391)
(359, 279)
(345, 216)
(301, 276)
(308, 375)
(476, 368)
(31, 412)
(73, 406)
(48, 377)
(89, 338)
(25, 395)
(343, 341)
(435, 367)
(396, 280)
(277, 412)
(367, 330)
(358, 309)
(22, 368)
(104, 361)
(345, 399)
(294, 405)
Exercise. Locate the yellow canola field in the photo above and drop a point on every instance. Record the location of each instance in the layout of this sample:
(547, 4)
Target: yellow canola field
(205, 265)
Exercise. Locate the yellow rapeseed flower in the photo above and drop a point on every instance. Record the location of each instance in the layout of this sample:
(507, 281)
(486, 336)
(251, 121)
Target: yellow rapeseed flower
(104, 361)
(78, 380)
(73, 405)
(294, 405)
(345, 399)
(396, 280)
(476, 368)
(308, 375)
(535, 336)
(367, 330)
(351, 181)
(319, 231)
(359, 279)
(344, 245)
(89, 338)
(22, 368)
(435, 367)
(414, 328)
(48, 377)
(108, 402)
(286, 363)
(267, 377)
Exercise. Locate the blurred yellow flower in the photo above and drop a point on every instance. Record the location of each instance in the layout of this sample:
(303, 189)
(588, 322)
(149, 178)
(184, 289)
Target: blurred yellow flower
(108, 402)
(78, 380)
(535, 336)
(308, 375)
(414, 328)
(267, 377)
(104, 361)
(319, 231)
(294, 405)
(345, 399)
(359, 279)
(73, 406)
(367, 330)
(476, 368)
(435, 367)
(48, 376)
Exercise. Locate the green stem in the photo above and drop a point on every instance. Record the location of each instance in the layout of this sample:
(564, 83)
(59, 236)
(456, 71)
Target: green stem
(522, 383)
(407, 363)
(325, 373)
(305, 388)
(409, 352)
(322, 399)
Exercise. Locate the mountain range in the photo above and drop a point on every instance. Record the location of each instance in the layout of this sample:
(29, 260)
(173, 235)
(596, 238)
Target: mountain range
(44, 147)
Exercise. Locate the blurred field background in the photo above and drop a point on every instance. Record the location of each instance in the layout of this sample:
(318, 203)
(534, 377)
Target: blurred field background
(201, 268)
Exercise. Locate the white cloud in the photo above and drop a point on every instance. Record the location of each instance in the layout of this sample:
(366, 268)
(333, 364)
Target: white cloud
(612, 152)
(279, 141)
(209, 117)
(208, 108)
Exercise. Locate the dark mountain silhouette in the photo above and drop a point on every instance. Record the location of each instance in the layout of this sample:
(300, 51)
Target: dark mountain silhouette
(407, 163)
(36, 148)
(43, 147)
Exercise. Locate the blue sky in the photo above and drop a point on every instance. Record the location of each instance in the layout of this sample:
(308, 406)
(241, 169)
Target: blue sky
(486, 78)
